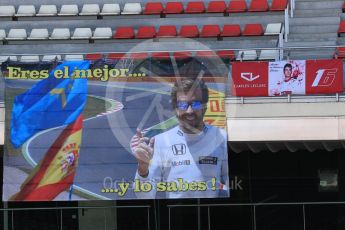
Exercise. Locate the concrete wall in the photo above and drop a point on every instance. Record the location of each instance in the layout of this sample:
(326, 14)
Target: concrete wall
(282, 121)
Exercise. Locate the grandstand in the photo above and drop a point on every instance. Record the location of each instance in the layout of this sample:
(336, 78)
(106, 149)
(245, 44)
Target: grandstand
(285, 152)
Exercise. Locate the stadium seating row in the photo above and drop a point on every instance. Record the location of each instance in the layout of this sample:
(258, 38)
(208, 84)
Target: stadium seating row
(143, 32)
(150, 8)
(242, 55)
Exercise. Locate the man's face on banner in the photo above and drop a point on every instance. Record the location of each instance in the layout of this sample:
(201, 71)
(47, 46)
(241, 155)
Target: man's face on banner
(190, 110)
(287, 72)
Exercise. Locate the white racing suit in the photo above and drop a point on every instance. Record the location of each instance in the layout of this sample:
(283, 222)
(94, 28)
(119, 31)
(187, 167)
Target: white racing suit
(188, 165)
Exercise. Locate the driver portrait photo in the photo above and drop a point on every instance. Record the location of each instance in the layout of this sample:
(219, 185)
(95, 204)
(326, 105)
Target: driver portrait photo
(287, 78)
(189, 160)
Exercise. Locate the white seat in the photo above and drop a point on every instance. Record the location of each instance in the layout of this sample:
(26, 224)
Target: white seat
(60, 34)
(38, 34)
(5, 58)
(74, 57)
(16, 34)
(82, 33)
(7, 11)
(26, 11)
(132, 8)
(47, 10)
(268, 55)
(2, 34)
(69, 10)
(273, 29)
(51, 57)
(102, 33)
(30, 58)
(111, 9)
(247, 55)
(90, 9)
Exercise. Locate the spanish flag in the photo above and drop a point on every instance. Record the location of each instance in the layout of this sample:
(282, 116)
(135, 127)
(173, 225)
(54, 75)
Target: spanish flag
(55, 173)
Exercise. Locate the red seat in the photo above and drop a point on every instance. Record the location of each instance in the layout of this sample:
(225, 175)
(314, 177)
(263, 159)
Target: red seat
(189, 31)
(124, 32)
(278, 5)
(146, 32)
(216, 7)
(341, 27)
(182, 55)
(167, 32)
(237, 6)
(115, 56)
(138, 56)
(340, 52)
(226, 54)
(253, 30)
(210, 31)
(93, 57)
(231, 31)
(173, 8)
(205, 54)
(161, 55)
(153, 8)
(195, 8)
(258, 6)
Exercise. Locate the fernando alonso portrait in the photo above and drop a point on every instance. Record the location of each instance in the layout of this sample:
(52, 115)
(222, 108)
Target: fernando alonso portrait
(190, 160)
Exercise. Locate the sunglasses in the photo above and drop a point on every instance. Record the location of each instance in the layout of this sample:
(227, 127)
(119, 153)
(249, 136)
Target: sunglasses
(184, 105)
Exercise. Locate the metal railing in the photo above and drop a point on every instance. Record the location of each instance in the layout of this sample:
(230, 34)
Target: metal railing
(11, 211)
(287, 99)
(290, 48)
(254, 206)
(286, 23)
(289, 9)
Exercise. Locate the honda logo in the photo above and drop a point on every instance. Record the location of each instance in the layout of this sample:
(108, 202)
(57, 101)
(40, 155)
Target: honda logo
(324, 77)
(179, 149)
(249, 76)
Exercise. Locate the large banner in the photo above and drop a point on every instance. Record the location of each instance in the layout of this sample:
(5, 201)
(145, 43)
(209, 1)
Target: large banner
(293, 77)
(104, 129)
